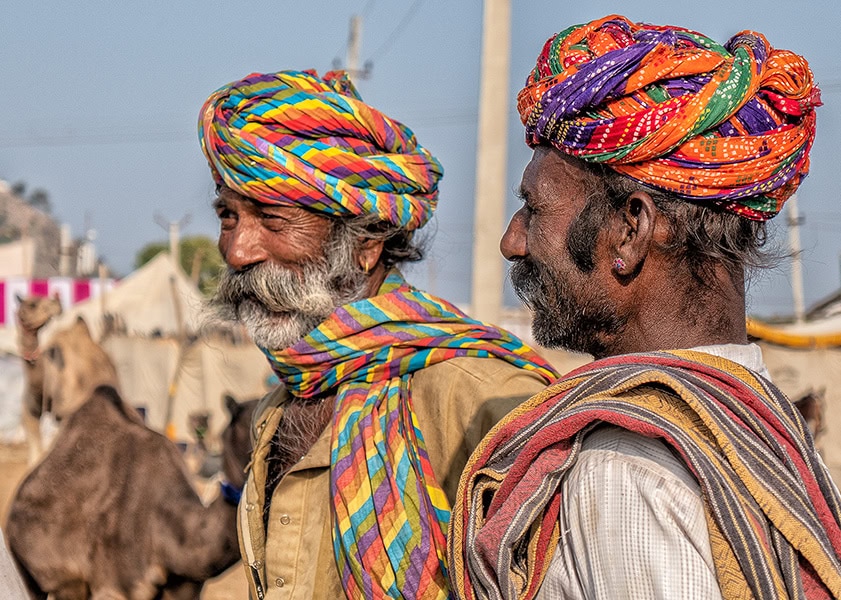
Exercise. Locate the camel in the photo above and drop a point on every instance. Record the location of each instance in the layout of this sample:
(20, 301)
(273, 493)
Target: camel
(811, 406)
(201, 454)
(110, 511)
(33, 313)
(236, 439)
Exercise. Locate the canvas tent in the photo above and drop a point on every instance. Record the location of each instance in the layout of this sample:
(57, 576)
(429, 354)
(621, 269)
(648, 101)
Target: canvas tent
(154, 300)
(150, 324)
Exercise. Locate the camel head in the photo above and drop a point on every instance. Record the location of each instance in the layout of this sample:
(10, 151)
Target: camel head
(236, 439)
(812, 405)
(35, 311)
(74, 365)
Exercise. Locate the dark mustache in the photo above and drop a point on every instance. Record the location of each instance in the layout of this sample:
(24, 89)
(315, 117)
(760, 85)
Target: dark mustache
(529, 280)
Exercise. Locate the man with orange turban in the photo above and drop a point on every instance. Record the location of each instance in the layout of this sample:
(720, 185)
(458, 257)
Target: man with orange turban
(671, 467)
(385, 389)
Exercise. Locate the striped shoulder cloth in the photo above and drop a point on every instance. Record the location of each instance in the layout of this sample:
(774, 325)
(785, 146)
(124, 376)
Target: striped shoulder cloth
(772, 510)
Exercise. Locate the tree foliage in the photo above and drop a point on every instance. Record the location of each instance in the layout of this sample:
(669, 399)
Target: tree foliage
(200, 260)
(40, 199)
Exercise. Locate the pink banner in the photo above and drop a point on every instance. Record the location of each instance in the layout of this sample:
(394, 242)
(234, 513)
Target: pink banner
(69, 291)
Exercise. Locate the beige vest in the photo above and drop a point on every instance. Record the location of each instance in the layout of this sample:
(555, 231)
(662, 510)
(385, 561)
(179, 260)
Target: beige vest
(456, 403)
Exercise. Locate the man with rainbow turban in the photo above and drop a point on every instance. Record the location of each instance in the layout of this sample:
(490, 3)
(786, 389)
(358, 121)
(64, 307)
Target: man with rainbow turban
(385, 389)
(671, 467)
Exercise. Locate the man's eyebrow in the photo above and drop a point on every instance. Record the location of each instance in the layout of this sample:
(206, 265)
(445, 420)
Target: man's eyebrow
(219, 202)
(522, 193)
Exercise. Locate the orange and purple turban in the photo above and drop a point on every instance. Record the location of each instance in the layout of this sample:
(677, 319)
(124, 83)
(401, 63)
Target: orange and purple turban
(671, 108)
(296, 139)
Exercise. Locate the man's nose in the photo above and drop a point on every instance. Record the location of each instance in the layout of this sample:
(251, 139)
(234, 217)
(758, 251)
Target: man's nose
(243, 247)
(513, 243)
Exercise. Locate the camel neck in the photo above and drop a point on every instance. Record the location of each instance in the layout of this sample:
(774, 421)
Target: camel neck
(28, 341)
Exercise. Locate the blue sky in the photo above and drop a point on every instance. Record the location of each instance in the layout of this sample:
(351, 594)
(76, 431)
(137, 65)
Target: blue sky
(100, 100)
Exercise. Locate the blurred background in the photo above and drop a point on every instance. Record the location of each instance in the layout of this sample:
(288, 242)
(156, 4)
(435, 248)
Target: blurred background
(98, 114)
(100, 171)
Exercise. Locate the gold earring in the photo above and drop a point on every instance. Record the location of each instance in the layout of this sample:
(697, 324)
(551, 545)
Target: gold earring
(366, 267)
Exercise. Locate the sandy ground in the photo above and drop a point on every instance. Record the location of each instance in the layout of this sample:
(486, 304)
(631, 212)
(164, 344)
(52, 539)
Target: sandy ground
(231, 585)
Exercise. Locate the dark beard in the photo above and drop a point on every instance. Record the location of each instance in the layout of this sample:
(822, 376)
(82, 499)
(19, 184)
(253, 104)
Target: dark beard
(563, 318)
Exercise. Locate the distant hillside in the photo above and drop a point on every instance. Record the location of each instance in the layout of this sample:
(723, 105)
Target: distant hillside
(17, 219)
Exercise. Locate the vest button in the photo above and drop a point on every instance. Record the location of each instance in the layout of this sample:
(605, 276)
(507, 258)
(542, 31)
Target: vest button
(285, 520)
(280, 582)
(249, 507)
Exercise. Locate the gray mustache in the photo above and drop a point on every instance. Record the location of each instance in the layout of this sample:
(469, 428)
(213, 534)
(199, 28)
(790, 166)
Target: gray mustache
(276, 289)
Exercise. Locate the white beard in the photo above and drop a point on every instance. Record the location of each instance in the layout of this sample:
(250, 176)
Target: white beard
(279, 306)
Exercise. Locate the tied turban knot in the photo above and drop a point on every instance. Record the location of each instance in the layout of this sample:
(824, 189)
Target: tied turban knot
(295, 139)
(673, 109)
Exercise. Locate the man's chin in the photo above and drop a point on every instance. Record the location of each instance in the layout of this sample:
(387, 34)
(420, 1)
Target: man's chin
(267, 329)
(549, 335)
(277, 331)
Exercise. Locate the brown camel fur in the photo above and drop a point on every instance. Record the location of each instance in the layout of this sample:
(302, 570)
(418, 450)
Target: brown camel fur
(33, 313)
(811, 406)
(110, 511)
(236, 439)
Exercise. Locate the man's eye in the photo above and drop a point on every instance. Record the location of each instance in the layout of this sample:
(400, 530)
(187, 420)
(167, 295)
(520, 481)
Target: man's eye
(227, 219)
(272, 221)
(528, 208)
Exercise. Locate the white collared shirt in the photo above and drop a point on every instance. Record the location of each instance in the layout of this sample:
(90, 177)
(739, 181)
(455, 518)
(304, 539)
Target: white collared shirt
(632, 520)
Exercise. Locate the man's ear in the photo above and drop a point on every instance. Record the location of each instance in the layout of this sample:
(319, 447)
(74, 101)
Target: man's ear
(368, 254)
(632, 233)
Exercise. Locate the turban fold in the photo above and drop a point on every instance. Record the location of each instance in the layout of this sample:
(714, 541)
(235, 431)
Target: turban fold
(295, 139)
(673, 109)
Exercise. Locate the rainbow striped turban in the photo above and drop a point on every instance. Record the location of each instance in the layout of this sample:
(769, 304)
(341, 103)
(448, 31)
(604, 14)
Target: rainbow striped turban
(295, 139)
(671, 108)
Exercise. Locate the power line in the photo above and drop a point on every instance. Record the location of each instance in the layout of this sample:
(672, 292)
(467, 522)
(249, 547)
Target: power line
(386, 45)
(343, 48)
(367, 10)
(823, 227)
(830, 86)
(824, 215)
(106, 135)
(36, 141)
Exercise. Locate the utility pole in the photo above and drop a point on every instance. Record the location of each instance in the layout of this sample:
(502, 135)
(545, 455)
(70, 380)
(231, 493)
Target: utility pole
(174, 230)
(354, 44)
(353, 52)
(794, 222)
(491, 162)
(64, 250)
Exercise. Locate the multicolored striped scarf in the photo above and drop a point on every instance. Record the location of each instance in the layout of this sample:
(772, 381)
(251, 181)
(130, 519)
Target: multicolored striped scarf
(296, 139)
(390, 514)
(672, 108)
(772, 511)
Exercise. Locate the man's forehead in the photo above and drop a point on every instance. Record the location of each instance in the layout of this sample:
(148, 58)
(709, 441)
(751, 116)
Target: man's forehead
(549, 167)
(226, 196)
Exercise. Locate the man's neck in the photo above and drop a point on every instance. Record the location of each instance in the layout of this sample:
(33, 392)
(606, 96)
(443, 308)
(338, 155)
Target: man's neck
(684, 317)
